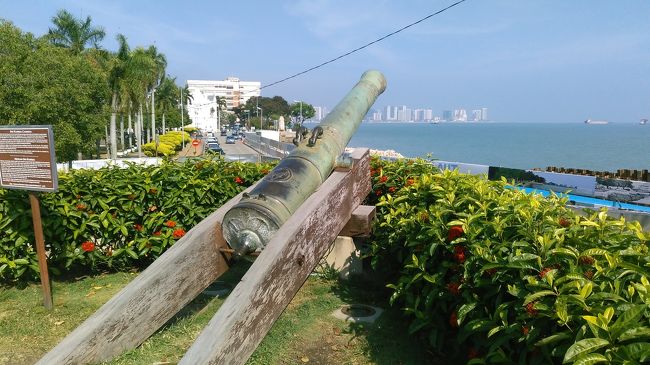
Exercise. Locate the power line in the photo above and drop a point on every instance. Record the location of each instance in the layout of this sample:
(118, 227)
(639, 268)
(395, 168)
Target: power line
(356, 49)
(362, 47)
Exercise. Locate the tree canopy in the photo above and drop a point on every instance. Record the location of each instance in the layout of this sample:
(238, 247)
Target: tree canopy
(41, 84)
(74, 34)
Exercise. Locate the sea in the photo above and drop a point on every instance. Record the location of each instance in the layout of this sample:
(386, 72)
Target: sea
(517, 145)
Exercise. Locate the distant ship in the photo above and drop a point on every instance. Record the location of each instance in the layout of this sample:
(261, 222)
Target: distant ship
(643, 122)
(591, 121)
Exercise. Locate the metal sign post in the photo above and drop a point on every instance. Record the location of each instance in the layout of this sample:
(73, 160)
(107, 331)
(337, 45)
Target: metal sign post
(27, 162)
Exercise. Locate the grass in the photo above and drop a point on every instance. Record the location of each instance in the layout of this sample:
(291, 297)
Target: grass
(304, 333)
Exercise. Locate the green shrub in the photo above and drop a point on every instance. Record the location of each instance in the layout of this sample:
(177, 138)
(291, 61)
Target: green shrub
(163, 149)
(112, 218)
(490, 274)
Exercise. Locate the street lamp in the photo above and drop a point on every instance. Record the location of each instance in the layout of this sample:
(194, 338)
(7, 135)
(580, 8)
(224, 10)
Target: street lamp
(261, 117)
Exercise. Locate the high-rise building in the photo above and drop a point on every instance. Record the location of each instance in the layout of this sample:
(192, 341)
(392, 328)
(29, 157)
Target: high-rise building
(460, 115)
(484, 114)
(391, 112)
(202, 108)
(428, 114)
(319, 113)
(477, 115)
(376, 116)
(447, 115)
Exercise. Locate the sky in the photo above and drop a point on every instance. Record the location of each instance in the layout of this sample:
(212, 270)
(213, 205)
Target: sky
(526, 61)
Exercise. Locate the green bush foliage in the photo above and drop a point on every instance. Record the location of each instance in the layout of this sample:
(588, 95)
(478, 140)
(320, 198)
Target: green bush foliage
(113, 218)
(489, 274)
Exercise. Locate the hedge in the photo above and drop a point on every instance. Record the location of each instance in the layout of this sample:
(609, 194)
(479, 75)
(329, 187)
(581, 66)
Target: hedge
(113, 218)
(488, 274)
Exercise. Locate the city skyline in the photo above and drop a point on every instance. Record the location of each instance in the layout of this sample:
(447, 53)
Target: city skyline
(537, 61)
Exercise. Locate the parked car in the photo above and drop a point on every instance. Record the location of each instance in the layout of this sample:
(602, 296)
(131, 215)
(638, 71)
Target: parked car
(214, 147)
(224, 132)
(212, 140)
(230, 140)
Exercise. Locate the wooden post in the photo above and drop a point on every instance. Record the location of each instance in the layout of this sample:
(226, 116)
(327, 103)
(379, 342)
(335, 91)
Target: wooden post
(280, 270)
(40, 250)
(151, 299)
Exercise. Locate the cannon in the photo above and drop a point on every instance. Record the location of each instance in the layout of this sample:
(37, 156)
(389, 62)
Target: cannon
(282, 202)
(250, 224)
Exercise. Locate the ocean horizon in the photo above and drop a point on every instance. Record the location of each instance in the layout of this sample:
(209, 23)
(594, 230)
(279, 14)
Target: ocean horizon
(522, 145)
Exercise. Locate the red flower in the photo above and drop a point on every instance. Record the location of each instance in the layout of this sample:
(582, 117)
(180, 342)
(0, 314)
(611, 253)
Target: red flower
(459, 254)
(530, 308)
(525, 330)
(453, 320)
(454, 232)
(378, 192)
(88, 246)
(81, 206)
(453, 288)
(157, 233)
(564, 222)
(392, 189)
(170, 224)
(153, 191)
(265, 171)
(383, 179)
(410, 182)
(589, 274)
(178, 233)
(544, 272)
(137, 227)
(472, 353)
(491, 272)
(238, 180)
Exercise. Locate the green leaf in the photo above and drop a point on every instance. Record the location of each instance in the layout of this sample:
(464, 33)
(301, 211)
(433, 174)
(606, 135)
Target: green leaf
(540, 294)
(629, 317)
(561, 309)
(553, 339)
(21, 261)
(464, 310)
(590, 359)
(583, 347)
(563, 251)
(131, 253)
(635, 333)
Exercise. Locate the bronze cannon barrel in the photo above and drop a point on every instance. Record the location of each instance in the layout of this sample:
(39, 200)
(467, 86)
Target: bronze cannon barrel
(251, 223)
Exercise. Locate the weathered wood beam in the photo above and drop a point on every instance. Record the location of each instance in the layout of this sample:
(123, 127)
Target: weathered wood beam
(360, 223)
(151, 299)
(280, 270)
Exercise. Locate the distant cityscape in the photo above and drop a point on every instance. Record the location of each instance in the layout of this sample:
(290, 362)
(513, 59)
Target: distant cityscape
(403, 113)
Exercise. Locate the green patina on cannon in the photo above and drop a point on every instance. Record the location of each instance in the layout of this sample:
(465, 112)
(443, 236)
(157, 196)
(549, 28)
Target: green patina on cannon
(251, 223)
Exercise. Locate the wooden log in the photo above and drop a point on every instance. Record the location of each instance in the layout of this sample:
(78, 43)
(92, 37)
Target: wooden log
(276, 275)
(151, 299)
(360, 223)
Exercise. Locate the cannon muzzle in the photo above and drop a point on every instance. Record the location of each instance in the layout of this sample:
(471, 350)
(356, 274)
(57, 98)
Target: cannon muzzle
(250, 224)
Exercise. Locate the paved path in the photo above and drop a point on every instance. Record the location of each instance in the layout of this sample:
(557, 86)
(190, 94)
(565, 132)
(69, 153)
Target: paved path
(238, 148)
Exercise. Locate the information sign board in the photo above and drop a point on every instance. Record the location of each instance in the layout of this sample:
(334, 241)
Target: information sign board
(27, 160)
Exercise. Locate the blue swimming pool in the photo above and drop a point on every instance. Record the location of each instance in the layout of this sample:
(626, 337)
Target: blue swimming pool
(583, 200)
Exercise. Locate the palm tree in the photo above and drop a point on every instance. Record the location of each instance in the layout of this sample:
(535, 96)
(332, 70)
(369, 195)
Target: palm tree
(157, 76)
(168, 97)
(221, 104)
(73, 33)
(117, 74)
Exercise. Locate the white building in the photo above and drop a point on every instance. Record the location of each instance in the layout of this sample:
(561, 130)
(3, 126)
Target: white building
(202, 109)
(460, 115)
